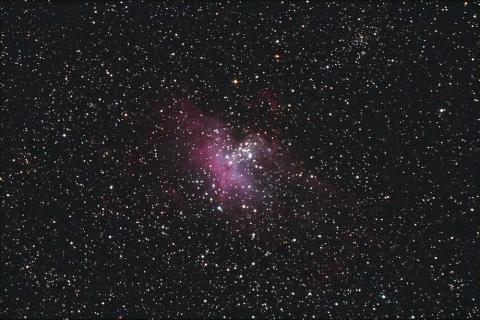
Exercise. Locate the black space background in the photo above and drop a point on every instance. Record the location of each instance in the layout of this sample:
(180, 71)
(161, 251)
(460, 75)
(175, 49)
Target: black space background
(385, 92)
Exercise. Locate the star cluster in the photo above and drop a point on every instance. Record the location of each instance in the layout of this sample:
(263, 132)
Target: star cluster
(239, 159)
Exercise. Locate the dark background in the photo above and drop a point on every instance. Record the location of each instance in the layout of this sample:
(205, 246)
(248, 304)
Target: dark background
(379, 99)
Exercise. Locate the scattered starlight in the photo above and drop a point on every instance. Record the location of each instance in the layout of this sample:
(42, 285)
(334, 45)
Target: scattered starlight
(233, 160)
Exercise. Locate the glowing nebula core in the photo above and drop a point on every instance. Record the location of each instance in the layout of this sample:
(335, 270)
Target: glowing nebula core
(253, 180)
(252, 185)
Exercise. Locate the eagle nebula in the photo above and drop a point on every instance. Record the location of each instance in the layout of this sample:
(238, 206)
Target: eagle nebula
(251, 182)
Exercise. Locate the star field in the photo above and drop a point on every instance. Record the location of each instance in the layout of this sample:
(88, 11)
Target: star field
(239, 160)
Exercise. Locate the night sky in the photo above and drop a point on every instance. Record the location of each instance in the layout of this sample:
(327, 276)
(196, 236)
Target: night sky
(194, 159)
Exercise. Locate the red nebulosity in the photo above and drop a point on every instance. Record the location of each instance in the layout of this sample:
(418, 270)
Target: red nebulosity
(232, 173)
(251, 179)
(254, 181)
